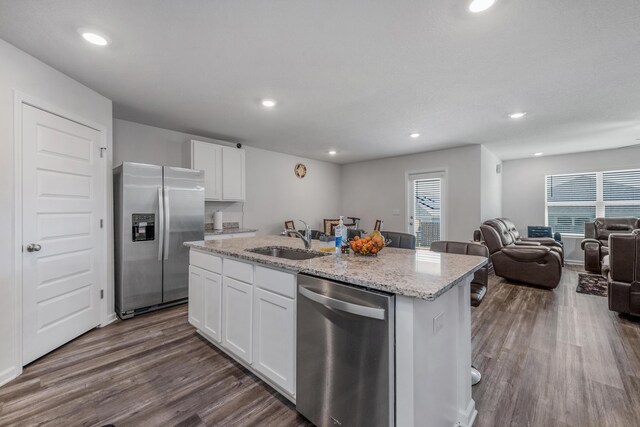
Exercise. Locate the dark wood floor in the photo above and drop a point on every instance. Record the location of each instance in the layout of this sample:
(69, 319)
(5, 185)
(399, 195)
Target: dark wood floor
(548, 358)
(153, 370)
(554, 358)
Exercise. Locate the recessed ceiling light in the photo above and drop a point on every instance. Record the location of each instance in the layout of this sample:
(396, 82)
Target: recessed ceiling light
(518, 115)
(269, 103)
(538, 154)
(415, 135)
(332, 152)
(480, 5)
(93, 37)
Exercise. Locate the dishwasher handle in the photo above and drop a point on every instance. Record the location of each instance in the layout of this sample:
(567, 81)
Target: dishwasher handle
(347, 307)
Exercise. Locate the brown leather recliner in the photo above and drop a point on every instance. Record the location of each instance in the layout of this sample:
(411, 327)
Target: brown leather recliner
(622, 266)
(543, 241)
(523, 261)
(596, 239)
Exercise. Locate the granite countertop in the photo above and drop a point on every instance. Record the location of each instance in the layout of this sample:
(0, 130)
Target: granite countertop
(230, 231)
(420, 274)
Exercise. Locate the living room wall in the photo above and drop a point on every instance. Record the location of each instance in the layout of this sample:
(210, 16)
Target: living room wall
(523, 185)
(377, 189)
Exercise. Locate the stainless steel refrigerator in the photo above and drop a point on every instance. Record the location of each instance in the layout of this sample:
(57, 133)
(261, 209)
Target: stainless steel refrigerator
(156, 210)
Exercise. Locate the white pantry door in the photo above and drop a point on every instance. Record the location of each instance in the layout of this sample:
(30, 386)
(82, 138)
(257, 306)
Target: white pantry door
(61, 233)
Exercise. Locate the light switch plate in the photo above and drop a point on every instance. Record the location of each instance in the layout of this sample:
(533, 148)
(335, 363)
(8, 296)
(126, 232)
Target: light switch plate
(395, 212)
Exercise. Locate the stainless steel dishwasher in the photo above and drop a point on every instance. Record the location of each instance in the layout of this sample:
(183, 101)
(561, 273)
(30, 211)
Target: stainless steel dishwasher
(345, 354)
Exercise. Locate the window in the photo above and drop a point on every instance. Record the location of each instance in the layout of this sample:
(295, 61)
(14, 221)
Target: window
(573, 199)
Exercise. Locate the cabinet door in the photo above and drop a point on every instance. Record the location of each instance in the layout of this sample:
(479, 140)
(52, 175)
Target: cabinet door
(212, 318)
(208, 158)
(273, 338)
(233, 174)
(236, 322)
(196, 302)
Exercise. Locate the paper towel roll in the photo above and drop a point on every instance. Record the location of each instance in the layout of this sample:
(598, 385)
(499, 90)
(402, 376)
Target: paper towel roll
(217, 220)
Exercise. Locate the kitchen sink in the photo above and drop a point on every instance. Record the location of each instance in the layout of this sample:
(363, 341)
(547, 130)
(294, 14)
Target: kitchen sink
(287, 253)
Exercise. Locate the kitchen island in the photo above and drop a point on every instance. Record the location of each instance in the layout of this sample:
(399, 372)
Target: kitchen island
(245, 304)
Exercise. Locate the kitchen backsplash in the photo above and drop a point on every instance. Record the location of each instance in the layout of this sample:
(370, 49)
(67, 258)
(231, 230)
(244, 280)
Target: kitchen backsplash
(231, 212)
(208, 226)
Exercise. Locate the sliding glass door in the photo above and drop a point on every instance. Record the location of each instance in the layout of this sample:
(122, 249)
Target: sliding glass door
(426, 219)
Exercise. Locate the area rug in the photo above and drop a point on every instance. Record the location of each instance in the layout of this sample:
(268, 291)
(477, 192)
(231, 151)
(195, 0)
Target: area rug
(592, 284)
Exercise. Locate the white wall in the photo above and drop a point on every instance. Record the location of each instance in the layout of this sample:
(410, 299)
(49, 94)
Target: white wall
(523, 185)
(490, 186)
(135, 142)
(374, 189)
(26, 74)
(274, 193)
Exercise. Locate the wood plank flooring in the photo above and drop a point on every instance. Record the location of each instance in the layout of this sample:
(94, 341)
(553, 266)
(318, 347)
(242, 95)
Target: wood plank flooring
(548, 358)
(153, 370)
(554, 358)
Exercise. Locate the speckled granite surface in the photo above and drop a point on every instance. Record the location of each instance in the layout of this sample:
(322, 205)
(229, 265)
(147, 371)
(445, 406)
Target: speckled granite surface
(419, 274)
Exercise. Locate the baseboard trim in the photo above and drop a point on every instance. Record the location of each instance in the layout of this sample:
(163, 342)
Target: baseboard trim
(110, 319)
(573, 262)
(468, 416)
(8, 375)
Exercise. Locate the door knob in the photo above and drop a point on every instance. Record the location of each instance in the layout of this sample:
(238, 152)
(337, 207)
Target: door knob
(33, 247)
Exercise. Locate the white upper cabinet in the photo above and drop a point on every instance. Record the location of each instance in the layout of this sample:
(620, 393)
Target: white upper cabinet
(233, 174)
(224, 170)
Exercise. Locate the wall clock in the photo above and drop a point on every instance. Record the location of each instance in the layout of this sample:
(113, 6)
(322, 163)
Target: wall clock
(300, 170)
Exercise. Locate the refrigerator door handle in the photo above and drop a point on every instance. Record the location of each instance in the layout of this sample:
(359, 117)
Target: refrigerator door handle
(160, 223)
(167, 224)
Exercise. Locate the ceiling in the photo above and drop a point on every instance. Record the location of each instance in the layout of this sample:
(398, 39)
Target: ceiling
(356, 76)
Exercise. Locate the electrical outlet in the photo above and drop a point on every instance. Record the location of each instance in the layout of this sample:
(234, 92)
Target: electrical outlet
(438, 323)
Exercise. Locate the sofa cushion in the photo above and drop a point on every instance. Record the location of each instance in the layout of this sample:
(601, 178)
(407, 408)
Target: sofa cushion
(604, 227)
(505, 235)
(622, 257)
(511, 227)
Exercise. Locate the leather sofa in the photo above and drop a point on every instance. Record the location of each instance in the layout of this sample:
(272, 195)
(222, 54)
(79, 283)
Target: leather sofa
(535, 261)
(622, 267)
(596, 239)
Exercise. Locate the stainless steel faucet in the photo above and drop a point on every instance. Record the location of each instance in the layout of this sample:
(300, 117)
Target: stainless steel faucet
(306, 238)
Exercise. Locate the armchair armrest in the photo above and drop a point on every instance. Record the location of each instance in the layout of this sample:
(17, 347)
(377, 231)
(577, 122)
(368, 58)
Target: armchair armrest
(527, 243)
(547, 241)
(590, 241)
(526, 253)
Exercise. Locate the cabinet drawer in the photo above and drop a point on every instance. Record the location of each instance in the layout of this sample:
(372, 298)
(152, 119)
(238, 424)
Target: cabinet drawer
(205, 261)
(238, 270)
(275, 281)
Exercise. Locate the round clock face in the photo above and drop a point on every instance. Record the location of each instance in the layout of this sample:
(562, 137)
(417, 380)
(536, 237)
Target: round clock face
(300, 170)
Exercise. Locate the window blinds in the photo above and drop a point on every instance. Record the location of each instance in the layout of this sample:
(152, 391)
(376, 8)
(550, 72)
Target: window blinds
(571, 188)
(573, 199)
(428, 197)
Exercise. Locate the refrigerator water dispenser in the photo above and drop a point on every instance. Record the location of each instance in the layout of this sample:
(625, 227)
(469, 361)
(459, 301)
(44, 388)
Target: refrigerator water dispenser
(143, 227)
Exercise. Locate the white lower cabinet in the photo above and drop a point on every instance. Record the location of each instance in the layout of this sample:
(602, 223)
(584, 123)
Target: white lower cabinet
(196, 302)
(273, 338)
(205, 301)
(212, 318)
(249, 311)
(237, 299)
